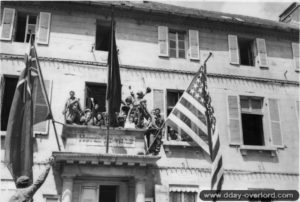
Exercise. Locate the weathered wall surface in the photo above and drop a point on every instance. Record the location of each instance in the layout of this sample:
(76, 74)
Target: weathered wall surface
(72, 37)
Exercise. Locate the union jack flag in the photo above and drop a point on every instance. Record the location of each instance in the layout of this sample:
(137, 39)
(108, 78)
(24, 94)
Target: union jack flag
(193, 115)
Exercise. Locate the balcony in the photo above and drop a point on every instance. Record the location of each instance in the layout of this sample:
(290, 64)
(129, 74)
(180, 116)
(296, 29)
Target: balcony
(92, 139)
(87, 144)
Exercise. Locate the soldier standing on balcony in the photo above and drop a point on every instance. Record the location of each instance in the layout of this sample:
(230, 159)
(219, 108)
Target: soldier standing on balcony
(72, 109)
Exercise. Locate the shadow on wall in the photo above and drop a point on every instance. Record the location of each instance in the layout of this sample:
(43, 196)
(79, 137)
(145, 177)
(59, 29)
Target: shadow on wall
(258, 156)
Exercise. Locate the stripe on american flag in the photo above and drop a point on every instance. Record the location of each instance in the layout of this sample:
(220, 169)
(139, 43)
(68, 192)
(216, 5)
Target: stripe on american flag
(190, 117)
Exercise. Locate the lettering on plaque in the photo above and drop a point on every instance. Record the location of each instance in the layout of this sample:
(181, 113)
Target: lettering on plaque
(97, 140)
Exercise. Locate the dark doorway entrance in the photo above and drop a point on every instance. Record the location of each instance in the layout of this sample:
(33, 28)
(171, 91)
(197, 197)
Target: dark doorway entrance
(108, 194)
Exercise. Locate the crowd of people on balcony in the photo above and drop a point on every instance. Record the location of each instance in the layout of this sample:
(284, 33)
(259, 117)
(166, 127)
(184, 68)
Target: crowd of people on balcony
(133, 113)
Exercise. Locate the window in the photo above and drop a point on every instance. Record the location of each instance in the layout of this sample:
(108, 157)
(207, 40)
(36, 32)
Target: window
(246, 51)
(95, 94)
(19, 27)
(252, 120)
(182, 197)
(172, 98)
(107, 193)
(102, 36)
(249, 119)
(176, 44)
(25, 25)
(9, 86)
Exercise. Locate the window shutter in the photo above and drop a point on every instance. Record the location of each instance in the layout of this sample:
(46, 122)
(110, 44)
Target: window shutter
(41, 108)
(296, 55)
(158, 100)
(234, 115)
(44, 28)
(194, 44)
(163, 41)
(262, 52)
(275, 122)
(161, 193)
(233, 49)
(7, 23)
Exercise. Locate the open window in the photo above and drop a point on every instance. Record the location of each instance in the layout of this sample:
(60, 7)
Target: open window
(95, 94)
(102, 36)
(252, 120)
(246, 51)
(26, 24)
(172, 98)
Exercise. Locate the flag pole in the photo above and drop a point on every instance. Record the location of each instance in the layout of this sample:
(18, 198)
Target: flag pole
(204, 66)
(109, 69)
(47, 99)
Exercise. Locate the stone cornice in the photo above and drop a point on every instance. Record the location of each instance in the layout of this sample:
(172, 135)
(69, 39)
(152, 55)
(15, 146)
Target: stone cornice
(105, 159)
(155, 69)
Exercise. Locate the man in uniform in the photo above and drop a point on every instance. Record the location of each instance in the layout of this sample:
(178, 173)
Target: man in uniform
(25, 191)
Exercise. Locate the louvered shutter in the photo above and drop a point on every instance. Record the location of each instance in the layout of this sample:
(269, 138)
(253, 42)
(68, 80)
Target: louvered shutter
(296, 55)
(161, 193)
(262, 52)
(41, 108)
(233, 49)
(158, 100)
(7, 23)
(163, 41)
(234, 116)
(194, 44)
(275, 122)
(44, 28)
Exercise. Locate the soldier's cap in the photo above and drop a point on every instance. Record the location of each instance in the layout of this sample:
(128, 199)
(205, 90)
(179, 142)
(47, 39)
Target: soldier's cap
(157, 109)
(140, 93)
(23, 180)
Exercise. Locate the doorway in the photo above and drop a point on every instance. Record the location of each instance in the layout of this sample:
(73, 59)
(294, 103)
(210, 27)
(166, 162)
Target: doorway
(107, 193)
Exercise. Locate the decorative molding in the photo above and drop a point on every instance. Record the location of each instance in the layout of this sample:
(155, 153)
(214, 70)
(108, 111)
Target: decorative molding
(227, 171)
(96, 65)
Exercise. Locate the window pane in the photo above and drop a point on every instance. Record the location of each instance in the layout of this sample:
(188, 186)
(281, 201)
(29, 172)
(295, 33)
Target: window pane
(172, 36)
(189, 197)
(181, 54)
(180, 36)
(245, 103)
(32, 19)
(256, 104)
(172, 44)
(173, 53)
(175, 197)
(181, 44)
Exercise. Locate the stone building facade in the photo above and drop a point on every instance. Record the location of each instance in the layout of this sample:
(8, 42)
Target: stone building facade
(253, 78)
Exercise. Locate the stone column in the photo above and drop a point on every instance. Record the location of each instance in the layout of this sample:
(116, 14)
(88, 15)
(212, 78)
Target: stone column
(67, 189)
(140, 190)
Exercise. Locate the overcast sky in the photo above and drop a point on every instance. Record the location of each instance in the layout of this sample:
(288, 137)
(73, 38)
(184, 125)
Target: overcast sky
(262, 9)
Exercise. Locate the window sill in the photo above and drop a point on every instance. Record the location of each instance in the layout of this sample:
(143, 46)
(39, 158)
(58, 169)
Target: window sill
(245, 148)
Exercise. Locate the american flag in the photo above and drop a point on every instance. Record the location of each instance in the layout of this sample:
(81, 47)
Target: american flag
(193, 116)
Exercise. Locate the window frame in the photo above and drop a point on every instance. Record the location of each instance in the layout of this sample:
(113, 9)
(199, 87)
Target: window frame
(15, 28)
(253, 50)
(252, 112)
(177, 49)
(101, 23)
